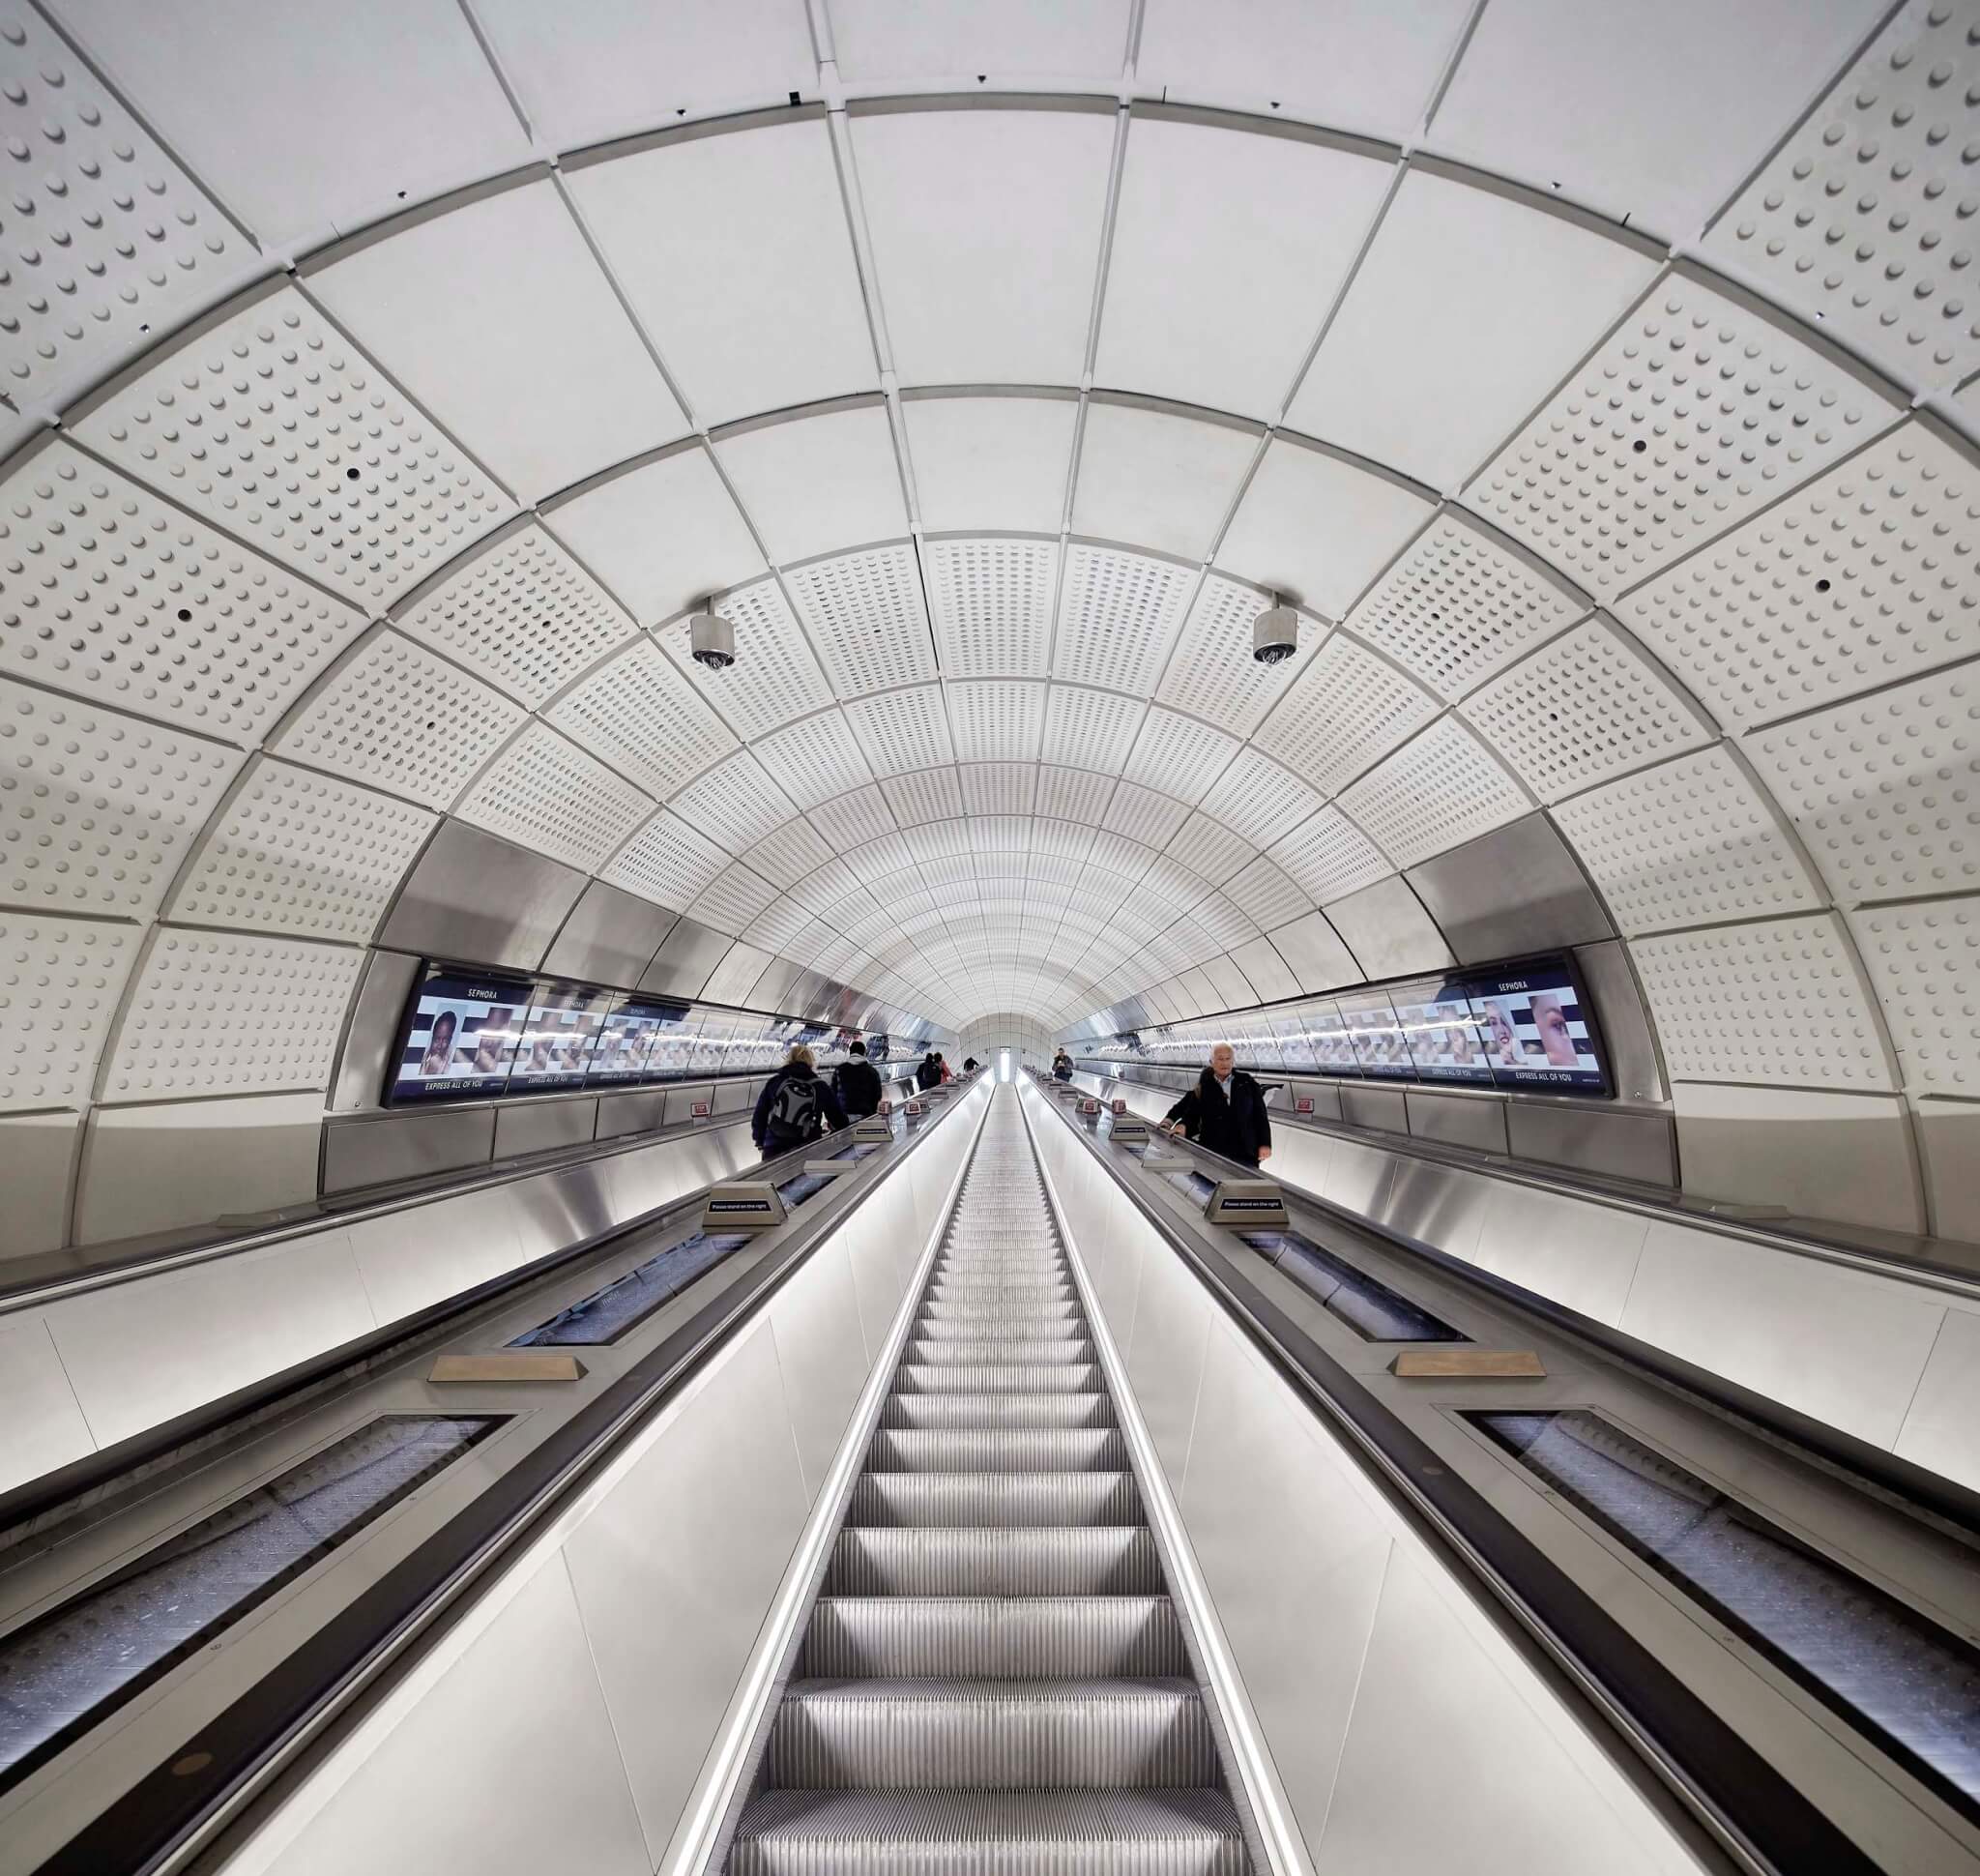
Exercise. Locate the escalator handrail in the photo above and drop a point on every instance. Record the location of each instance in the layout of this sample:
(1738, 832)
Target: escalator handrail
(1750, 1808)
(175, 1810)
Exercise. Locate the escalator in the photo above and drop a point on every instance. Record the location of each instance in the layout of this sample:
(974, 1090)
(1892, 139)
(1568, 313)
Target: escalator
(994, 1676)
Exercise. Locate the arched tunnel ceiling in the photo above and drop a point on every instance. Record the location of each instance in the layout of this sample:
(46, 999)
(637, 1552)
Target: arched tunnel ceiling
(1593, 376)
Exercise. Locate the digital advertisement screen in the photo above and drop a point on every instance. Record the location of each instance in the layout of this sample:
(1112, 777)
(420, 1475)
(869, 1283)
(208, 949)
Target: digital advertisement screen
(1535, 1032)
(1332, 1052)
(625, 1044)
(1377, 1036)
(1295, 1045)
(459, 1037)
(1440, 1033)
(557, 1038)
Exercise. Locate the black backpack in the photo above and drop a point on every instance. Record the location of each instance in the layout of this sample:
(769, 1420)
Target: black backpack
(793, 1112)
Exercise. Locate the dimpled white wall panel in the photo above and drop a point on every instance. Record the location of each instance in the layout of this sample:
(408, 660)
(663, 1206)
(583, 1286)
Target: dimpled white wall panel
(1887, 791)
(1781, 1002)
(61, 981)
(98, 810)
(1329, 857)
(302, 854)
(1117, 615)
(523, 614)
(1863, 577)
(216, 1012)
(1692, 416)
(1459, 606)
(1923, 959)
(1436, 790)
(991, 600)
(108, 238)
(1582, 709)
(404, 720)
(1689, 842)
(111, 593)
(640, 715)
(547, 795)
(865, 614)
(277, 429)
(1860, 218)
(1347, 709)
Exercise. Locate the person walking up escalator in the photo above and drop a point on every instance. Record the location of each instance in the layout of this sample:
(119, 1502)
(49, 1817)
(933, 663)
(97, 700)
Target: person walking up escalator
(857, 1083)
(794, 1106)
(929, 1074)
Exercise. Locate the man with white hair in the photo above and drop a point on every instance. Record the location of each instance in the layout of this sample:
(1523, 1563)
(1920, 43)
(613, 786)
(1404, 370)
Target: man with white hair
(1225, 1111)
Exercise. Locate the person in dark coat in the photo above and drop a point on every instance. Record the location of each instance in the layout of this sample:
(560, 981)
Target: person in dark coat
(794, 1106)
(929, 1074)
(857, 1083)
(1225, 1113)
(1061, 1066)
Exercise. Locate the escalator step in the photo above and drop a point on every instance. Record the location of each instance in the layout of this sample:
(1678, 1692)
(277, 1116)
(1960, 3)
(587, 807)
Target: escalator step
(999, 1378)
(990, 1354)
(991, 1449)
(932, 1410)
(1044, 1559)
(993, 1498)
(994, 1637)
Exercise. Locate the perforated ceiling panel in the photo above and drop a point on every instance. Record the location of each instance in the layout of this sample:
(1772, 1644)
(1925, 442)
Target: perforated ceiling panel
(301, 854)
(924, 796)
(774, 676)
(1689, 842)
(732, 900)
(1177, 755)
(1436, 791)
(1861, 218)
(1074, 795)
(1885, 791)
(999, 787)
(1117, 616)
(1924, 961)
(402, 719)
(991, 600)
(667, 861)
(814, 759)
(1582, 709)
(860, 815)
(97, 810)
(1257, 798)
(1458, 607)
(788, 854)
(1781, 1002)
(1328, 857)
(1866, 576)
(1344, 711)
(61, 981)
(1212, 672)
(547, 795)
(1266, 896)
(1695, 413)
(1142, 815)
(523, 614)
(277, 429)
(996, 721)
(1210, 848)
(110, 594)
(864, 613)
(643, 716)
(216, 1012)
(736, 803)
(902, 729)
(111, 240)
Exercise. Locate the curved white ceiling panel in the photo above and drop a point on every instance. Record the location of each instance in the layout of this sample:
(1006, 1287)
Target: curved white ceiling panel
(1162, 478)
(887, 42)
(1000, 462)
(814, 484)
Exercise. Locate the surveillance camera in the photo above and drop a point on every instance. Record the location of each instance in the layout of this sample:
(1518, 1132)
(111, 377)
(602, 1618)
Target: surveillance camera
(713, 640)
(1275, 635)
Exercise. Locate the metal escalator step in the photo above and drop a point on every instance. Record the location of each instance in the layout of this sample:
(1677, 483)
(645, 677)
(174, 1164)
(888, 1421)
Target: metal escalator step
(990, 1311)
(989, 1833)
(897, 1735)
(998, 1352)
(965, 1285)
(1001, 1327)
(1044, 1559)
(936, 1411)
(994, 1637)
(998, 1449)
(981, 1499)
(997, 1378)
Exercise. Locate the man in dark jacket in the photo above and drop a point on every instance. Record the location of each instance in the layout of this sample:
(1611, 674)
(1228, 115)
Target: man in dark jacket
(1225, 1113)
(794, 1106)
(929, 1074)
(857, 1083)
(1061, 1066)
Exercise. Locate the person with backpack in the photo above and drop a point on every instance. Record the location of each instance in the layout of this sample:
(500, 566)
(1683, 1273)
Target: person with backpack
(794, 1106)
(929, 1074)
(857, 1083)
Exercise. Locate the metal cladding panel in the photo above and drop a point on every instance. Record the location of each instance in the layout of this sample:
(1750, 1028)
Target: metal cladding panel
(1514, 889)
(372, 1033)
(1389, 930)
(481, 901)
(687, 958)
(1315, 954)
(610, 937)
(37, 1164)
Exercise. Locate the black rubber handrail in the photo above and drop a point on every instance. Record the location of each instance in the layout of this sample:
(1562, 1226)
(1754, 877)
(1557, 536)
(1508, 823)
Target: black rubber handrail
(1737, 1795)
(364, 1646)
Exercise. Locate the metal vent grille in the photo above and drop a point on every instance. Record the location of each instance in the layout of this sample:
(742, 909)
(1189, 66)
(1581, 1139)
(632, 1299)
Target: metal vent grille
(230, 1014)
(404, 720)
(1433, 793)
(97, 810)
(1689, 842)
(1862, 578)
(1781, 1002)
(1458, 607)
(548, 796)
(276, 427)
(303, 855)
(523, 614)
(865, 615)
(1693, 416)
(107, 593)
(991, 600)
